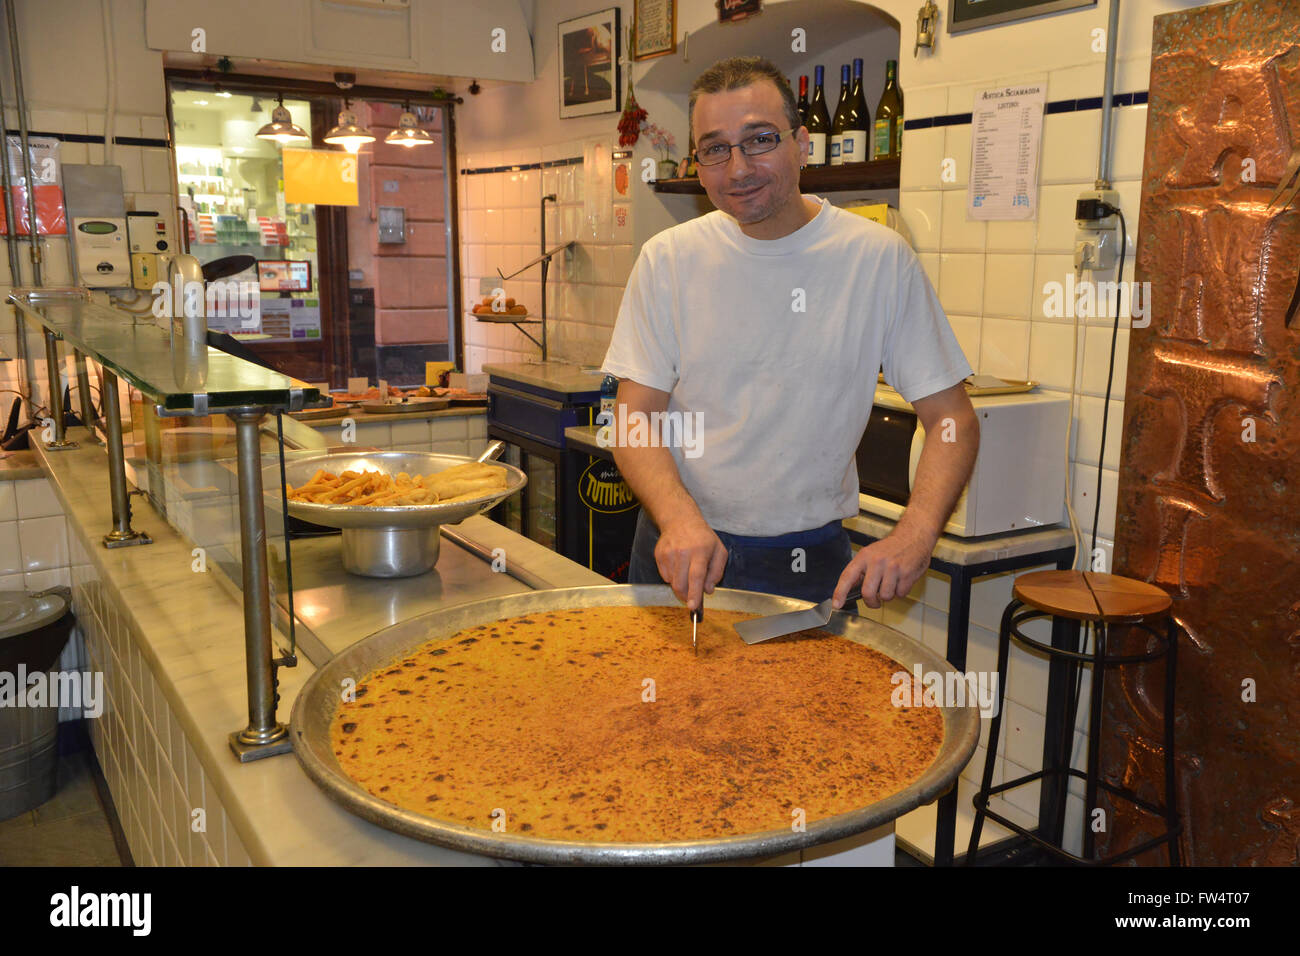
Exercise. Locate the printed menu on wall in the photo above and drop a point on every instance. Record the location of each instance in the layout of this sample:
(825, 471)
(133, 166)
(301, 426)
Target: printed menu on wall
(1006, 138)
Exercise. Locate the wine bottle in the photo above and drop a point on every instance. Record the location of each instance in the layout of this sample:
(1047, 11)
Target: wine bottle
(803, 100)
(855, 135)
(889, 116)
(819, 122)
(837, 124)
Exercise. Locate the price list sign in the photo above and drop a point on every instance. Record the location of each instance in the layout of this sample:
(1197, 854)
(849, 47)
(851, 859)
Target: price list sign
(1006, 137)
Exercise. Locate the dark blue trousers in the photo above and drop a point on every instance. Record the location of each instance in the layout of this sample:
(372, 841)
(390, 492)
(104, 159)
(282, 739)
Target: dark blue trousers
(768, 564)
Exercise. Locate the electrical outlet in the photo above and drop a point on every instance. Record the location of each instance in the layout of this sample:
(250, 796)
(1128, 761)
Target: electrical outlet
(1096, 241)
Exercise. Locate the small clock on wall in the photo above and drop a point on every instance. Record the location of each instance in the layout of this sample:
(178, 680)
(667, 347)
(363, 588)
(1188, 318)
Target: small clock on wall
(966, 15)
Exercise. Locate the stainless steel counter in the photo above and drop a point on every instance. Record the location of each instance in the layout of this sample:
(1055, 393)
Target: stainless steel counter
(336, 609)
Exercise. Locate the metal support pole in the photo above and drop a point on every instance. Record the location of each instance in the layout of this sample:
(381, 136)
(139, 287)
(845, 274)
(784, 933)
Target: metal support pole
(15, 58)
(121, 536)
(264, 736)
(83, 393)
(1108, 96)
(546, 265)
(60, 442)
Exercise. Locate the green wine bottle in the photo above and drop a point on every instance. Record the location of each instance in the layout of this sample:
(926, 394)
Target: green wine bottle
(889, 116)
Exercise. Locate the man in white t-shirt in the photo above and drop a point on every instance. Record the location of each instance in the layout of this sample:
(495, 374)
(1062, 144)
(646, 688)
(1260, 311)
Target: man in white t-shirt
(759, 330)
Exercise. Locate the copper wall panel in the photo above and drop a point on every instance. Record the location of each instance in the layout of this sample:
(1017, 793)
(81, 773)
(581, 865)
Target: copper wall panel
(1209, 485)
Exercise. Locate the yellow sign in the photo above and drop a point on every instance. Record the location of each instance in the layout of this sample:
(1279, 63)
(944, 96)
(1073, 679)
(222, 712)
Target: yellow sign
(323, 177)
(601, 488)
(875, 212)
(433, 371)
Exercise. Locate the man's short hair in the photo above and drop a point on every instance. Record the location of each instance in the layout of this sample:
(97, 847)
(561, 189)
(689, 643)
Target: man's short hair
(736, 72)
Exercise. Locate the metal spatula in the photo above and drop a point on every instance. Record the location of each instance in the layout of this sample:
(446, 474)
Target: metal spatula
(790, 622)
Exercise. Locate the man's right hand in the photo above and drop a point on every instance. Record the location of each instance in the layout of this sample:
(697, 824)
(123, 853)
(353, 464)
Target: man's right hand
(691, 558)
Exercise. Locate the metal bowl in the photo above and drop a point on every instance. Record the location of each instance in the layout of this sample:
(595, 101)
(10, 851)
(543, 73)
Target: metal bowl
(316, 705)
(391, 542)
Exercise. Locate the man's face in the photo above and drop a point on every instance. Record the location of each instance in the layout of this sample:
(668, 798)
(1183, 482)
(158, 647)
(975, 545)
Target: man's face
(751, 189)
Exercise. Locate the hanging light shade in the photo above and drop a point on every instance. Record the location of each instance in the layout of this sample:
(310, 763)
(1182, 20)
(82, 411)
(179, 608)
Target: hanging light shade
(281, 129)
(347, 133)
(408, 133)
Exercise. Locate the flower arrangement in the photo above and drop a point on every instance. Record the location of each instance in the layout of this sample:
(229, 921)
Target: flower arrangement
(660, 139)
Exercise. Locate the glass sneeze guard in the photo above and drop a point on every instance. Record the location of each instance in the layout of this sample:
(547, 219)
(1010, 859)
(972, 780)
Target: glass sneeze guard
(183, 379)
(186, 379)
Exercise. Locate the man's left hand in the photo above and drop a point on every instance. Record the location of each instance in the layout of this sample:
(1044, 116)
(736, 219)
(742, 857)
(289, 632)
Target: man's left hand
(887, 568)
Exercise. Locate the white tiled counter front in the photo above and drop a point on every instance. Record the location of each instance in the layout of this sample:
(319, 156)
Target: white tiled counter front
(170, 643)
(450, 432)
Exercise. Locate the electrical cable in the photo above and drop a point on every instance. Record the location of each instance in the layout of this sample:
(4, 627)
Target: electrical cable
(1110, 375)
(1069, 430)
(1089, 629)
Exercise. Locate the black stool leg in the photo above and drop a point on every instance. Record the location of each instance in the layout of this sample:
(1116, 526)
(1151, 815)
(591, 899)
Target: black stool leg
(1171, 784)
(990, 758)
(1055, 786)
(1094, 740)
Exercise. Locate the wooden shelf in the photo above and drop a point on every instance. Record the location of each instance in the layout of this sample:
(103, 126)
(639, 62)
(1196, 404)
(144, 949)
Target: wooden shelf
(877, 174)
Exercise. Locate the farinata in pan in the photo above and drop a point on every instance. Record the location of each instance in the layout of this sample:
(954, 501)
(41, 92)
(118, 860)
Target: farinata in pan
(600, 724)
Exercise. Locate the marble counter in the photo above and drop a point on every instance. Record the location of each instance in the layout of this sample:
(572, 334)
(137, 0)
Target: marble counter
(19, 466)
(169, 639)
(553, 376)
(961, 551)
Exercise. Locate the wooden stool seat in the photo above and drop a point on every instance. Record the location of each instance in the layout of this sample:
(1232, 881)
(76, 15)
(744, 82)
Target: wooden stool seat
(1070, 600)
(1091, 596)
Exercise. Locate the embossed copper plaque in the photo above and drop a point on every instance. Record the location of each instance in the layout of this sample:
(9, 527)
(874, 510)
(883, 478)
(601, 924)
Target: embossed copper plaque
(1209, 487)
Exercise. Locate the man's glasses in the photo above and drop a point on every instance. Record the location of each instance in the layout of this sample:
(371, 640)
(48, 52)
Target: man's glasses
(715, 154)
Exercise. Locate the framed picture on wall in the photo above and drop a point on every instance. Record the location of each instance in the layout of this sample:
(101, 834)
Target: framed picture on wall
(966, 15)
(733, 11)
(654, 28)
(589, 55)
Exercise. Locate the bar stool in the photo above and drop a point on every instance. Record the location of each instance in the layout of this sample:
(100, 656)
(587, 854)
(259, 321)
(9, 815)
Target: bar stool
(1070, 598)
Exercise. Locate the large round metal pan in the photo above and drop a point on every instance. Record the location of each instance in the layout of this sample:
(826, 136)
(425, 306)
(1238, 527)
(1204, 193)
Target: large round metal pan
(299, 471)
(314, 710)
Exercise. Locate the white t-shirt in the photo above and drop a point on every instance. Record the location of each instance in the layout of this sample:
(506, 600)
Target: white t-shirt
(776, 345)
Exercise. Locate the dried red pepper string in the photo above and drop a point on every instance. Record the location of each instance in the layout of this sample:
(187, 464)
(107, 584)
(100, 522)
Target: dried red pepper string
(629, 124)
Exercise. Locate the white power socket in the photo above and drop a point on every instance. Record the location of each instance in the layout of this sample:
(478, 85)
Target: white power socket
(1096, 241)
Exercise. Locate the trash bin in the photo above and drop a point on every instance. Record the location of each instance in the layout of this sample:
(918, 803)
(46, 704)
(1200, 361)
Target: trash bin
(33, 632)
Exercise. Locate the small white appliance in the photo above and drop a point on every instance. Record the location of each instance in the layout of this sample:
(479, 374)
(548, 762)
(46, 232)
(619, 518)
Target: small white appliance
(96, 208)
(1019, 476)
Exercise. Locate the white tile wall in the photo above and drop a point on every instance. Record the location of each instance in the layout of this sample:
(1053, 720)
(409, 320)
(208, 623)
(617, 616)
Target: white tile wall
(990, 278)
(500, 228)
(155, 777)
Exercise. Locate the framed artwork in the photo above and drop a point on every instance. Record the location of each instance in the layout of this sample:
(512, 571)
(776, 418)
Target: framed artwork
(654, 28)
(589, 55)
(731, 11)
(966, 15)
